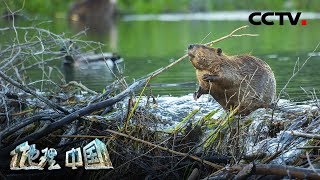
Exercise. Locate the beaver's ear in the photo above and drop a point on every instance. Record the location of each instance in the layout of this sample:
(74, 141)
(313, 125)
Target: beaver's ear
(219, 51)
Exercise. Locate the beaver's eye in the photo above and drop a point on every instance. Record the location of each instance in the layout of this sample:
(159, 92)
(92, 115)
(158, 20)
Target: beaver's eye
(219, 51)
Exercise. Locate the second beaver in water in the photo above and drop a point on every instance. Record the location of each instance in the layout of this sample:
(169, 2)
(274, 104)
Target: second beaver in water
(242, 80)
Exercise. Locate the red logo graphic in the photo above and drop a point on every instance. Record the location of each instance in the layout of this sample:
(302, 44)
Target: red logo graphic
(259, 18)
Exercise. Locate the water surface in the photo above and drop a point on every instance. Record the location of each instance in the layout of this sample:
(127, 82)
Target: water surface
(148, 44)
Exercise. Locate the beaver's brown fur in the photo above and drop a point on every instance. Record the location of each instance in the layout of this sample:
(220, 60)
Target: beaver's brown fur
(242, 80)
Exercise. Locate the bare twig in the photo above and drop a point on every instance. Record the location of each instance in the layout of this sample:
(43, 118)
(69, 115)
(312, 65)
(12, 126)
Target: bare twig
(15, 127)
(14, 58)
(281, 170)
(232, 34)
(73, 116)
(305, 135)
(309, 147)
(80, 136)
(28, 90)
(311, 165)
(296, 70)
(216, 166)
(80, 85)
(275, 154)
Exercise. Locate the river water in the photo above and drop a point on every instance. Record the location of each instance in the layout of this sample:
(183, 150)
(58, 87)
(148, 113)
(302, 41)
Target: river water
(149, 42)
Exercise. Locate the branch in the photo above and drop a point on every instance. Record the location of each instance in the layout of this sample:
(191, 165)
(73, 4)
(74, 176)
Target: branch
(305, 135)
(282, 170)
(73, 116)
(207, 44)
(25, 122)
(80, 85)
(12, 59)
(216, 166)
(79, 136)
(296, 70)
(28, 90)
(231, 35)
(276, 154)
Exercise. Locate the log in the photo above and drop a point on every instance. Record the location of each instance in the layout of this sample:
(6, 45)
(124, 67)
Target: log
(305, 135)
(25, 122)
(281, 170)
(71, 117)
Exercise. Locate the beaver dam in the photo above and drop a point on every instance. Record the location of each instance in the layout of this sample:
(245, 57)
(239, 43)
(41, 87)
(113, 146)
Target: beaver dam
(146, 136)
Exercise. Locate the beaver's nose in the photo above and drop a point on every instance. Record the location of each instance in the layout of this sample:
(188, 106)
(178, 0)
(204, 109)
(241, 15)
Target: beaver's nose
(190, 46)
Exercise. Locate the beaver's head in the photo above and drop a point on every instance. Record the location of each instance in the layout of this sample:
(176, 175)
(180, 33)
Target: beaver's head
(202, 57)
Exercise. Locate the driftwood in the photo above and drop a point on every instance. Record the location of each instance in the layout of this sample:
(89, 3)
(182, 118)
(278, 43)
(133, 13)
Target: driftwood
(274, 169)
(15, 127)
(245, 171)
(305, 135)
(73, 116)
(216, 166)
(28, 90)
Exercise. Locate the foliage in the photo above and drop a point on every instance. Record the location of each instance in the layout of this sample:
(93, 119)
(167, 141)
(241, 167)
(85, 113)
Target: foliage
(39, 7)
(169, 6)
(56, 7)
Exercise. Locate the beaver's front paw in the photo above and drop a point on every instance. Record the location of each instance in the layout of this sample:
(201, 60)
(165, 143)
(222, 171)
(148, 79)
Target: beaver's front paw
(195, 95)
(198, 93)
(209, 78)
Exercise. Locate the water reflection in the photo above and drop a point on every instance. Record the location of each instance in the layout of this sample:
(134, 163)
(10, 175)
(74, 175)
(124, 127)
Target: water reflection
(97, 17)
(151, 44)
(93, 73)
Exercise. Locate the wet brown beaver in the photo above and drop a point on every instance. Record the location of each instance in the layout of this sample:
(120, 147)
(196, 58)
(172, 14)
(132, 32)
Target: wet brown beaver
(242, 80)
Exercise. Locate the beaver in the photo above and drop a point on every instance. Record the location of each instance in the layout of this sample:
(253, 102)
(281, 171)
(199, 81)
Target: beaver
(244, 82)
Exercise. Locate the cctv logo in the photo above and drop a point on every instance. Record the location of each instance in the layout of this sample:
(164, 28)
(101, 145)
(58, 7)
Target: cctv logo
(257, 18)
